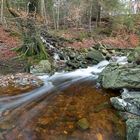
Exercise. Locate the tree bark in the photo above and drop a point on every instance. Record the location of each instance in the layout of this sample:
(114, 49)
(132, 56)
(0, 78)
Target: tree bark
(98, 17)
(90, 16)
(1, 18)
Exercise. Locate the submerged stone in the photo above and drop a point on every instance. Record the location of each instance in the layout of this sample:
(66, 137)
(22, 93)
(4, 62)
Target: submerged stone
(83, 124)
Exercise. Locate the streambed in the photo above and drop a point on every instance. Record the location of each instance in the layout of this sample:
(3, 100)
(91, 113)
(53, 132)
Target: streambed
(70, 106)
(54, 118)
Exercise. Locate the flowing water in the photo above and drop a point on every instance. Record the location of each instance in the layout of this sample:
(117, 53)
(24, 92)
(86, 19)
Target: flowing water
(53, 111)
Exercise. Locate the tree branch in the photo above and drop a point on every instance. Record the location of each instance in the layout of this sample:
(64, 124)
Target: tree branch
(11, 10)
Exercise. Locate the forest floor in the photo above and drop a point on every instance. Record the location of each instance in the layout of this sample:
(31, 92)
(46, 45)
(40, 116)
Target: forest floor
(10, 63)
(82, 39)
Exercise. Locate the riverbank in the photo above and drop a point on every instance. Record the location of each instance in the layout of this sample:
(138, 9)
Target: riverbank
(10, 62)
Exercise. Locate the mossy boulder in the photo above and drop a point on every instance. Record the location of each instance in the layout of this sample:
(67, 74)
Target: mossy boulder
(95, 56)
(44, 66)
(134, 56)
(116, 76)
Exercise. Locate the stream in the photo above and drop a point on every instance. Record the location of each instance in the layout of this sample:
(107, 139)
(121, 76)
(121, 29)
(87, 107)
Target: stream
(70, 106)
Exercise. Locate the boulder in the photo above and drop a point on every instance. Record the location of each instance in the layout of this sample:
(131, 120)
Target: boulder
(116, 76)
(133, 129)
(134, 56)
(129, 105)
(44, 66)
(95, 56)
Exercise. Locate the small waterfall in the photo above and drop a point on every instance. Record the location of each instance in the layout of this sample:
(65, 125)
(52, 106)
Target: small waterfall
(53, 49)
(50, 47)
(119, 59)
(56, 57)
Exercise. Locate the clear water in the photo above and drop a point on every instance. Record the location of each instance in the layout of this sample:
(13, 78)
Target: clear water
(52, 111)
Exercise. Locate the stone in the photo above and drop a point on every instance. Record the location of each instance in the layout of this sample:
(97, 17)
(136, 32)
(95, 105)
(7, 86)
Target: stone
(134, 56)
(139, 135)
(95, 55)
(44, 66)
(73, 64)
(83, 124)
(129, 105)
(133, 129)
(129, 101)
(118, 103)
(116, 76)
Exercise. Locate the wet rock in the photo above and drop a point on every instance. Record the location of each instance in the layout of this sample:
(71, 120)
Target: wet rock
(73, 64)
(118, 103)
(44, 66)
(83, 124)
(129, 101)
(116, 76)
(133, 129)
(129, 105)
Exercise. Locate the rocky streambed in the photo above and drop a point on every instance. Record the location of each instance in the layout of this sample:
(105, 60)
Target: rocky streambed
(125, 78)
(122, 75)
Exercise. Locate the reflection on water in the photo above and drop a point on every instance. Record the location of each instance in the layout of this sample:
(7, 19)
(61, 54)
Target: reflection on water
(54, 116)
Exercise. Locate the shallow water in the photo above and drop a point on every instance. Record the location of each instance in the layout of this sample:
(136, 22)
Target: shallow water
(52, 112)
(55, 117)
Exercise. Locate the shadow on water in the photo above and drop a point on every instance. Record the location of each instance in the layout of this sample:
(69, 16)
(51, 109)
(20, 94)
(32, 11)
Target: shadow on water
(53, 112)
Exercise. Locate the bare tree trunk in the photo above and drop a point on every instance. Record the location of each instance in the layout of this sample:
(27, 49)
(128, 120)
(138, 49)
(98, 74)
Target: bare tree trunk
(2, 5)
(90, 17)
(54, 20)
(45, 14)
(42, 4)
(58, 14)
(43, 10)
(98, 16)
